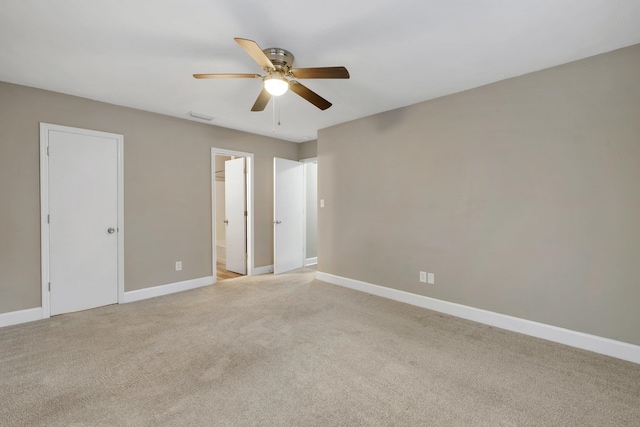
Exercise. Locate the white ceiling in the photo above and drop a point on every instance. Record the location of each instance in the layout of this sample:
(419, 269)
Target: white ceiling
(142, 53)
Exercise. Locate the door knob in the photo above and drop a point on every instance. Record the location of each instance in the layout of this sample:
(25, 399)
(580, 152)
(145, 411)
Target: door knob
(226, 221)
(277, 222)
(111, 230)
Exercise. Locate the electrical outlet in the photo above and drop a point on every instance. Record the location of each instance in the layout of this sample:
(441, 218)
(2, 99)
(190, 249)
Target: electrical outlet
(431, 279)
(423, 276)
(178, 265)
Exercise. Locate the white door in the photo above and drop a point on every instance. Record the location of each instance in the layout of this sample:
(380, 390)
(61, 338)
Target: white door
(288, 215)
(83, 230)
(235, 202)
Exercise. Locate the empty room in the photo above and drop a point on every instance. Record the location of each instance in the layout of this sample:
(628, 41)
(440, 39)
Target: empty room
(383, 213)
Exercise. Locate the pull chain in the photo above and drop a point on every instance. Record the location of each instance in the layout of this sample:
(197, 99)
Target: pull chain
(278, 115)
(273, 122)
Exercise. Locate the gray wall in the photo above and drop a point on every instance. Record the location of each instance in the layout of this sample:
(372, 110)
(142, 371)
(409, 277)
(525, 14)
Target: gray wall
(523, 197)
(167, 189)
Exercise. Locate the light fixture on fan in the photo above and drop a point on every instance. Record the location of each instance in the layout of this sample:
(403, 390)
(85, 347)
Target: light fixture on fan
(275, 84)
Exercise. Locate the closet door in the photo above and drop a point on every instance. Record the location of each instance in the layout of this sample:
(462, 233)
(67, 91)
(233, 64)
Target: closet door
(288, 215)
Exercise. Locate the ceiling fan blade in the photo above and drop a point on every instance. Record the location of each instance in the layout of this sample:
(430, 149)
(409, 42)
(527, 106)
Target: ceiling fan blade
(309, 95)
(321, 73)
(262, 101)
(227, 76)
(256, 53)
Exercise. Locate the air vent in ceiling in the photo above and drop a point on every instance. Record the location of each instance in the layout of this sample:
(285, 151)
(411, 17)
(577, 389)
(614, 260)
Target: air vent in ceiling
(199, 116)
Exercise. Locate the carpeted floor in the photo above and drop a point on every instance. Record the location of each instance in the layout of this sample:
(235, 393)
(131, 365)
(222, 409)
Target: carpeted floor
(292, 351)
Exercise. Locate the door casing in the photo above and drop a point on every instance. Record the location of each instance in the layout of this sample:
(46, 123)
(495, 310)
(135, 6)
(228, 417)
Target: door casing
(250, 204)
(45, 128)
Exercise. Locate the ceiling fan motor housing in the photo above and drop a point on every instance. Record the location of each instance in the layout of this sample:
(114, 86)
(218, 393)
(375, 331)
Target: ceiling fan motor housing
(280, 58)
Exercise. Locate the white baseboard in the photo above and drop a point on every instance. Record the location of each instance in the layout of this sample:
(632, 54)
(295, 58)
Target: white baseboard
(265, 269)
(311, 261)
(171, 288)
(20, 316)
(606, 346)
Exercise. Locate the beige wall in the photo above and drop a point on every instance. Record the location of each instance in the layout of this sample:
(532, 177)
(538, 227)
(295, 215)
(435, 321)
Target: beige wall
(523, 197)
(307, 150)
(167, 189)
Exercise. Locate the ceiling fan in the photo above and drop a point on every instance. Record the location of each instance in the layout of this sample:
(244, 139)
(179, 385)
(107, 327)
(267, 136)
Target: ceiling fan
(280, 76)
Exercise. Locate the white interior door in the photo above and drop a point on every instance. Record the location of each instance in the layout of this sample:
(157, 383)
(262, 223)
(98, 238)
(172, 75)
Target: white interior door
(288, 215)
(235, 199)
(83, 230)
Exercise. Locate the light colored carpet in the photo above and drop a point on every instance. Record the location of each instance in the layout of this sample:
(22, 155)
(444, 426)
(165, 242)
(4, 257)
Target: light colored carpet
(292, 351)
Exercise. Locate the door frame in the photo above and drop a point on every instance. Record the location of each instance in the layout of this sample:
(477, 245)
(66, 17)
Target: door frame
(250, 217)
(44, 207)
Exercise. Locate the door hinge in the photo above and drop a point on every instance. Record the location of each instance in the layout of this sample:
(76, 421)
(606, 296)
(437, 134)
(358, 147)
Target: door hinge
(245, 171)
(246, 213)
(246, 256)
(48, 219)
(49, 286)
(47, 150)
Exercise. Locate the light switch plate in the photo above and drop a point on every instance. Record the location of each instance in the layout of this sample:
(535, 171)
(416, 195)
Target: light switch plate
(322, 203)
(431, 279)
(178, 265)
